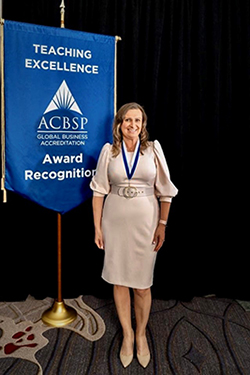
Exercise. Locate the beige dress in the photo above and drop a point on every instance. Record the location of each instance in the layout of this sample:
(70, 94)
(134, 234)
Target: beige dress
(129, 224)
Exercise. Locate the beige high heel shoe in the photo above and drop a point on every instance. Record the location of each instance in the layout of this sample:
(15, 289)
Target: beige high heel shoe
(127, 359)
(143, 359)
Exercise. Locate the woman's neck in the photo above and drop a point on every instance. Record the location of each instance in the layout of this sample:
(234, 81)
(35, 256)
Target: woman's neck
(130, 144)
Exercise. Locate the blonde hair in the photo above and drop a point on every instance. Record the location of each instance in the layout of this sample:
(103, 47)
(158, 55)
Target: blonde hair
(117, 133)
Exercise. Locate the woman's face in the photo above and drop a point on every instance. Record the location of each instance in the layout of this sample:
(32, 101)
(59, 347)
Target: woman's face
(132, 124)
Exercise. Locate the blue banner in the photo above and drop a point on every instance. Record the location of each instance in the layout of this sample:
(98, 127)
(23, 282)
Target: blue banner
(59, 108)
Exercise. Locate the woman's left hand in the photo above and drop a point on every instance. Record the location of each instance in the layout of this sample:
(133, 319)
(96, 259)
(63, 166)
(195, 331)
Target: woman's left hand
(159, 237)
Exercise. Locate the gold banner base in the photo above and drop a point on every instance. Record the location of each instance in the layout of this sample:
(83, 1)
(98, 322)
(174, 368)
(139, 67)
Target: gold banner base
(59, 315)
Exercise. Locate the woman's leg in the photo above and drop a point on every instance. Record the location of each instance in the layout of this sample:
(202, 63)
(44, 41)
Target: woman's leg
(123, 307)
(142, 303)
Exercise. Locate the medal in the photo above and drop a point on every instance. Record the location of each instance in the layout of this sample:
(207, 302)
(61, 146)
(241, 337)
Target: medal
(130, 191)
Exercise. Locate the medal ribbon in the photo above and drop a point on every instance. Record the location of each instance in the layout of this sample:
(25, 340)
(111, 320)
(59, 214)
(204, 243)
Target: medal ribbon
(130, 170)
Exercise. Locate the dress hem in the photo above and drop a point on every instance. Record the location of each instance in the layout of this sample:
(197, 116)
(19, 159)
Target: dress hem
(126, 284)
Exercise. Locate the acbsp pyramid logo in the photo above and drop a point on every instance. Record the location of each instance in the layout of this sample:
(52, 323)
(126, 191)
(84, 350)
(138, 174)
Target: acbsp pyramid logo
(62, 120)
(63, 99)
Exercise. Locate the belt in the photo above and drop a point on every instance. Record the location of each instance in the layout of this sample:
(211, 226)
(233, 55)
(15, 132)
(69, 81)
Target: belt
(132, 191)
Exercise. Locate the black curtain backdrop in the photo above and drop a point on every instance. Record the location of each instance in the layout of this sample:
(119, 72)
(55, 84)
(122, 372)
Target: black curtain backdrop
(188, 63)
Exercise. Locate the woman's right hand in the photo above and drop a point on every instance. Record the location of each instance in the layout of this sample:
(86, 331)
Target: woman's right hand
(99, 239)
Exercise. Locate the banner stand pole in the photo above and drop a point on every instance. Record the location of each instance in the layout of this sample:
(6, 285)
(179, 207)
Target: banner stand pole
(59, 257)
(2, 107)
(59, 314)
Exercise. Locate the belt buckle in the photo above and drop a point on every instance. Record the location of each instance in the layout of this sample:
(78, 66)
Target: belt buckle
(130, 192)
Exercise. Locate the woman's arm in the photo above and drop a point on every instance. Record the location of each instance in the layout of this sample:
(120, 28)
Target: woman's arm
(97, 204)
(159, 236)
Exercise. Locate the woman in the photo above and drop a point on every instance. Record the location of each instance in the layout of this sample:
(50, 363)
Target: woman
(130, 223)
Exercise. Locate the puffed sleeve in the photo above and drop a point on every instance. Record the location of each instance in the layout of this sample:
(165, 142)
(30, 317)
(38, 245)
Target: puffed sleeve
(165, 189)
(100, 182)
